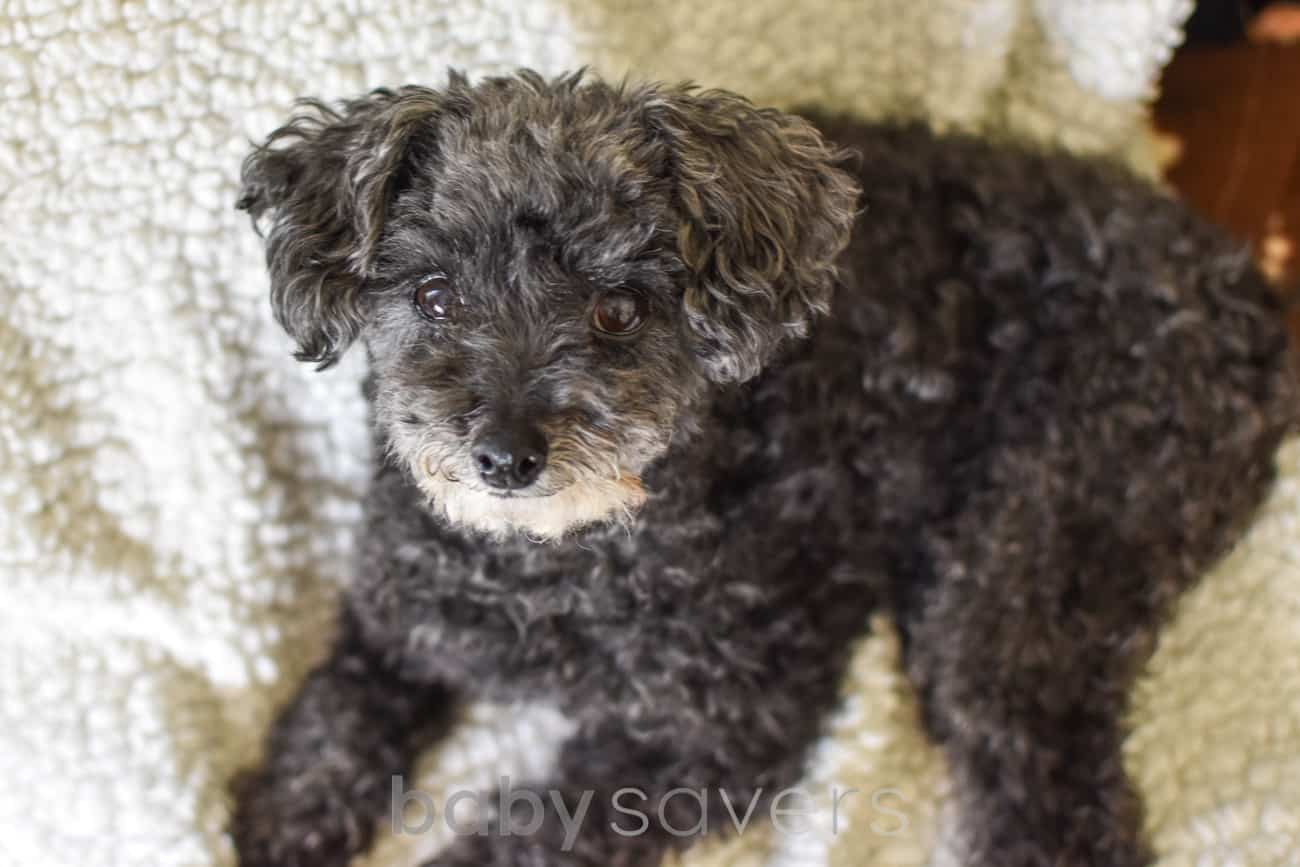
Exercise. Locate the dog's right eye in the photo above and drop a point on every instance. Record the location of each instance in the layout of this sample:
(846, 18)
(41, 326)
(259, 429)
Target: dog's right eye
(619, 314)
(433, 298)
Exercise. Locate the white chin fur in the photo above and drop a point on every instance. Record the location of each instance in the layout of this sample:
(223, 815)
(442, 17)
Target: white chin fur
(544, 518)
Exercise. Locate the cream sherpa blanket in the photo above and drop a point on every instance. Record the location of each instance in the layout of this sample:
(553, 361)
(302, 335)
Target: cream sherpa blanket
(177, 497)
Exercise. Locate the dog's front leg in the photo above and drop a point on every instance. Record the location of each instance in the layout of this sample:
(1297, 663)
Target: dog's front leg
(621, 799)
(325, 778)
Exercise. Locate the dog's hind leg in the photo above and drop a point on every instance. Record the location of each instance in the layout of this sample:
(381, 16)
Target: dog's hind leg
(325, 779)
(1024, 651)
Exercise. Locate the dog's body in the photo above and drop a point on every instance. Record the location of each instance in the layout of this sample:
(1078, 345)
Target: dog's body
(1042, 401)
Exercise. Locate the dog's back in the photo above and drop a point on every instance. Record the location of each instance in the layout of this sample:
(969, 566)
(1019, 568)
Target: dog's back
(1057, 322)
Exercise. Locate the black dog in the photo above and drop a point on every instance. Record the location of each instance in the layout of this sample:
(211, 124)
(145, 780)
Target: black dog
(666, 400)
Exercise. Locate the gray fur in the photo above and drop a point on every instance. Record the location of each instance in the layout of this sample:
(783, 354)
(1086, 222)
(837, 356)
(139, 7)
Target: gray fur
(1039, 401)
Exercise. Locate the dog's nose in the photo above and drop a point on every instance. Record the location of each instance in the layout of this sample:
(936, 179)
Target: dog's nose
(510, 457)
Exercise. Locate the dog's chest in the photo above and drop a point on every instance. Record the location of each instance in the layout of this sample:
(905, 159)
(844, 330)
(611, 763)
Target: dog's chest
(628, 619)
(585, 620)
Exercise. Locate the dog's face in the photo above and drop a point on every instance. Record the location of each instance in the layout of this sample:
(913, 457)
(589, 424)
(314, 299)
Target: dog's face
(547, 275)
(525, 333)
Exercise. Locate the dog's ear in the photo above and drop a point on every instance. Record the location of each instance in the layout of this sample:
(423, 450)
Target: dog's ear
(765, 209)
(325, 180)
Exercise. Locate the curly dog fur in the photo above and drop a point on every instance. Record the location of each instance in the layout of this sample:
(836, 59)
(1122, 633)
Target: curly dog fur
(1017, 399)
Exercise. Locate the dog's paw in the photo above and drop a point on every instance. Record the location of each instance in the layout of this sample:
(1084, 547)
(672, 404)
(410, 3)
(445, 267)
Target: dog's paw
(470, 851)
(544, 850)
(276, 824)
(514, 851)
(499, 852)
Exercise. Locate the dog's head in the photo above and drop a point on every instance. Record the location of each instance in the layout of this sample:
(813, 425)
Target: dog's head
(546, 273)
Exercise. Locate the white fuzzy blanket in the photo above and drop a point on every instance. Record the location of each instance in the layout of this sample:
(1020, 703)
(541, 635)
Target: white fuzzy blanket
(177, 497)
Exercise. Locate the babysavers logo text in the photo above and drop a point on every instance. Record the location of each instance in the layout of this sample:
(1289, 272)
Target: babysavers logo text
(681, 812)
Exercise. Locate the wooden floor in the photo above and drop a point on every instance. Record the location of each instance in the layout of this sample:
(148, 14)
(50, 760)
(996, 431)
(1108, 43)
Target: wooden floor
(1235, 113)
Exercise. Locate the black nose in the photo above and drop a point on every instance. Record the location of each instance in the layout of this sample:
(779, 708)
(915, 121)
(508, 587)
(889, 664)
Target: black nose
(510, 457)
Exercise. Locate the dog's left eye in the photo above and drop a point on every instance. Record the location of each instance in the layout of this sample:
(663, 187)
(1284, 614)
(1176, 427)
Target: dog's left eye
(619, 313)
(433, 297)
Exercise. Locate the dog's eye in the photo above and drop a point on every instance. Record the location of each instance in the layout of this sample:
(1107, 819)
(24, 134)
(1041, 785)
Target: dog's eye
(619, 313)
(433, 297)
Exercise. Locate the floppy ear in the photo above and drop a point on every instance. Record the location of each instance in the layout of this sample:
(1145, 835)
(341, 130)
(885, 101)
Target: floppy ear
(325, 179)
(765, 210)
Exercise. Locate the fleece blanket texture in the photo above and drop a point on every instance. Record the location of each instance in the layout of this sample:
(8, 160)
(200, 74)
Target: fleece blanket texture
(177, 497)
